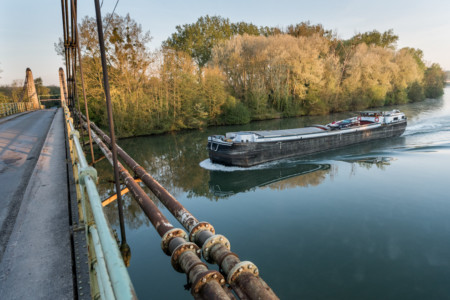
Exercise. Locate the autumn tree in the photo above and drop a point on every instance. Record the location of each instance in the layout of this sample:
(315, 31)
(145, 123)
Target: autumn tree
(306, 29)
(215, 72)
(199, 38)
(128, 61)
(4, 98)
(386, 39)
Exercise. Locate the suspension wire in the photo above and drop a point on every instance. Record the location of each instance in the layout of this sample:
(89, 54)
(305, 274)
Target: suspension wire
(110, 116)
(63, 11)
(74, 66)
(68, 56)
(110, 17)
(77, 41)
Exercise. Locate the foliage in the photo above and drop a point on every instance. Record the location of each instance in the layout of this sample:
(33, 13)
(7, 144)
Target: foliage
(434, 81)
(386, 39)
(40, 88)
(306, 29)
(4, 98)
(199, 38)
(234, 112)
(216, 72)
(416, 92)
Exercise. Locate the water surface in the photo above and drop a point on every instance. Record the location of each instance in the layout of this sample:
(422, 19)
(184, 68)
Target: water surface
(370, 221)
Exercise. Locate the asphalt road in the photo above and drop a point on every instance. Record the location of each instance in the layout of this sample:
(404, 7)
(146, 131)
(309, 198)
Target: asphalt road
(21, 140)
(36, 258)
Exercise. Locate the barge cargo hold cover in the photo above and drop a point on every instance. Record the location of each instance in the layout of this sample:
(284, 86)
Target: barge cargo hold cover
(249, 148)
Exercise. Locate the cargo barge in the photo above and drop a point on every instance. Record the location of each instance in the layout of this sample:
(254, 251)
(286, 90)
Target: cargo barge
(249, 148)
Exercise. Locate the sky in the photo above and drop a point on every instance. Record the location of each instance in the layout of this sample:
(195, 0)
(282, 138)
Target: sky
(29, 29)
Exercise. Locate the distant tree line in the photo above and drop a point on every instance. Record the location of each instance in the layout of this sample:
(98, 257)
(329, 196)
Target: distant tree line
(216, 72)
(13, 92)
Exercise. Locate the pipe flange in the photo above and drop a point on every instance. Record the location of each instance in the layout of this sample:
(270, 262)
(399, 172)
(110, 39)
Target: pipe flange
(202, 226)
(180, 250)
(169, 235)
(206, 277)
(242, 267)
(215, 239)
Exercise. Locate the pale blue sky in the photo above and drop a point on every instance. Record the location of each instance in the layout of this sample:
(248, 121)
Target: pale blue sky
(29, 29)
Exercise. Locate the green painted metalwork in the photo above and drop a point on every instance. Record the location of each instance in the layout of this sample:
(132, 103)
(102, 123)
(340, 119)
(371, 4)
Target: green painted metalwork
(109, 276)
(7, 109)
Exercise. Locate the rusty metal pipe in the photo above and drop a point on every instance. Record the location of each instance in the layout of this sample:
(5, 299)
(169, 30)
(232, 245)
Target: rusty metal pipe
(242, 276)
(178, 211)
(185, 256)
(158, 220)
(251, 287)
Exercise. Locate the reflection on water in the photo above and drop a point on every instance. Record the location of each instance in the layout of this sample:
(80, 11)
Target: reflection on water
(283, 175)
(223, 184)
(371, 221)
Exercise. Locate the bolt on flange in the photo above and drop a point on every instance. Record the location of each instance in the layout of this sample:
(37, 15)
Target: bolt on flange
(169, 235)
(211, 241)
(174, 258)
(201, 226)
(242, 267)
(206, 277)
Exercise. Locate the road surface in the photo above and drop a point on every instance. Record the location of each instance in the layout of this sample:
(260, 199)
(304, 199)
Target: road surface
(35, 252)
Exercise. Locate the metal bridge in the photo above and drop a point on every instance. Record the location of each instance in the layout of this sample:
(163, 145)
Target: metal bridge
(55, 241)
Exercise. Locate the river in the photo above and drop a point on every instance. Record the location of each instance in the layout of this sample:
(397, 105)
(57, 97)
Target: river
(370, 221)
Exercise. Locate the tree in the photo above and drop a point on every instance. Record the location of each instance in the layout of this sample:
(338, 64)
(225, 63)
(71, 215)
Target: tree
(306, 29)
(386, 39)
(129, 63)
(213, 92)
(417, 54)
(416, 92)
(198, 39)
(434, 81)
(217, 72)
(369, 76)
(4, 98)
(40, 88)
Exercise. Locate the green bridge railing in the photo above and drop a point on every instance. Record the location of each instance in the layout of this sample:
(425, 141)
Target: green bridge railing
(7, 109)
(108, 275)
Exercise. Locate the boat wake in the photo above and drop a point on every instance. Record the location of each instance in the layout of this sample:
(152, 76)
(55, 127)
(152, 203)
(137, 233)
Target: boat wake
(426, 127)
(207, 164)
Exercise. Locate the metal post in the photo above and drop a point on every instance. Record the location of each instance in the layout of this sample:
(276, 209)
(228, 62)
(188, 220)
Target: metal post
(110, 116)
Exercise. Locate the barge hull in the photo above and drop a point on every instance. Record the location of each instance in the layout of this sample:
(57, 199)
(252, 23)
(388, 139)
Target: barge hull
(250, 154)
